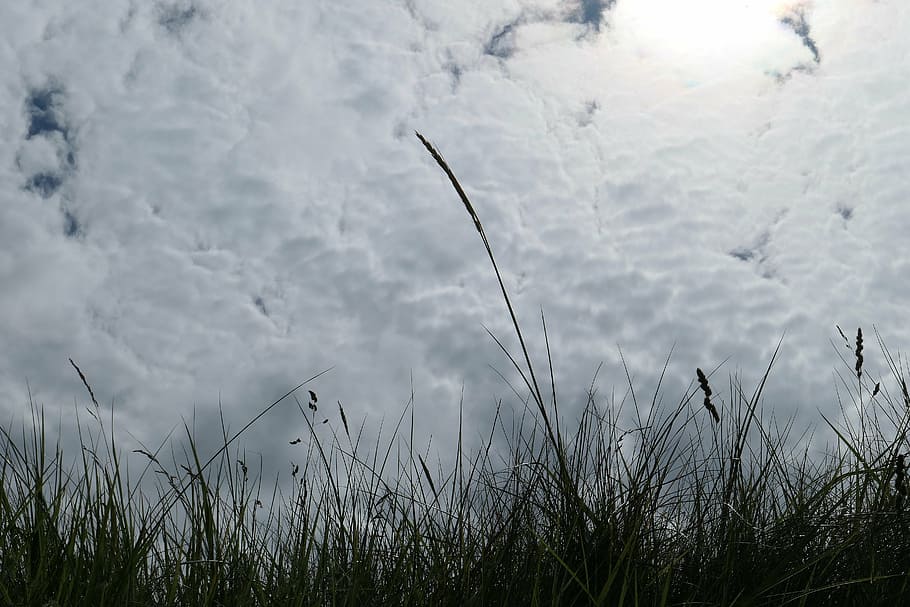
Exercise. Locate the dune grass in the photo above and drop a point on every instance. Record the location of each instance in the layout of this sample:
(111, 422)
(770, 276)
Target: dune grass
(710, 503)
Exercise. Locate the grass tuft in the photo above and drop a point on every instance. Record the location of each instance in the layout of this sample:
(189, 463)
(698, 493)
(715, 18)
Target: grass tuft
(670, 509)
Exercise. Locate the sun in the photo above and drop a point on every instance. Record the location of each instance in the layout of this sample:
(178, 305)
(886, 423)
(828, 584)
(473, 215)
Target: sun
(706, 34)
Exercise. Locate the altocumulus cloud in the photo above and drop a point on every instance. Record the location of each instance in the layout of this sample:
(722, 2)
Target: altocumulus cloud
(204, 201)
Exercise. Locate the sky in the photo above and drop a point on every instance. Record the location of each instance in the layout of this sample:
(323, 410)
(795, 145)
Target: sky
(203, 203)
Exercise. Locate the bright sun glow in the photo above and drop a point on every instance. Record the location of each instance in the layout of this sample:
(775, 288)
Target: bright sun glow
(702, 33)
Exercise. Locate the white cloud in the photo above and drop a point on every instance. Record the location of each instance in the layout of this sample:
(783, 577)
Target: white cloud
(247, 205)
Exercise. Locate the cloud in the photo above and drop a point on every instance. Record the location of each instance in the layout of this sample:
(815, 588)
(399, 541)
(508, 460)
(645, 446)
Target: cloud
(207, 203)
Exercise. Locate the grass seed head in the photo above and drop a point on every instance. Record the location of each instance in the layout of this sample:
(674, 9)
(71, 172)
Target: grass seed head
(344, 420)
(703, 382)
(846, 341)
(84, 381)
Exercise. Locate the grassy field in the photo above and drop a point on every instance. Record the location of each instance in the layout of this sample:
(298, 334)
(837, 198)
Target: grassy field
(705, 502)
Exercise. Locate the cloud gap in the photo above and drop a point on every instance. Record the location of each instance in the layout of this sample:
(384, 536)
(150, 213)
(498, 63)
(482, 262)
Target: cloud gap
(175, 18)
(44, 107)
(502, 43)
(797, 22)
(591, 13)
(45, 184)
(48, 153)
(71, 226)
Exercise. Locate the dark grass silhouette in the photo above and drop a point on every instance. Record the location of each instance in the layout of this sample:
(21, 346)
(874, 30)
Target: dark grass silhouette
(696, 504)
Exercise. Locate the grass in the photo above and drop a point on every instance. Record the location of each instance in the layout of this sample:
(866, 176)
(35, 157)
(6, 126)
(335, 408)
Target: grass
(693, 504)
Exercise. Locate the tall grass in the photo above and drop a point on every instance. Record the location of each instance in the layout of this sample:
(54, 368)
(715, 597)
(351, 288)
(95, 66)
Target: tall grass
(706, 503)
